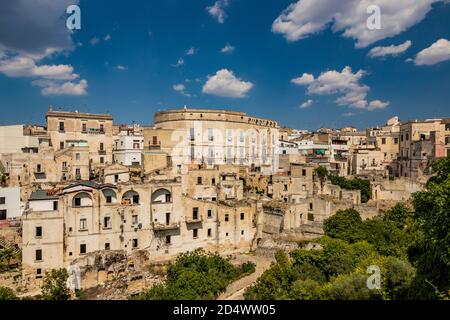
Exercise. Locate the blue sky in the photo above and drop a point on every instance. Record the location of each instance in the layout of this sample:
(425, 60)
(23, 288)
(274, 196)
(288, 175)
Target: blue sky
(131, 69)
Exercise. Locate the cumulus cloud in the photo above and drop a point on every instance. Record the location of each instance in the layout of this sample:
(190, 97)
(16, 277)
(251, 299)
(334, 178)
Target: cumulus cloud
(35, 28)
(107, 37)
(26, 67)
(121, 67)
(191, 51)
(377, 104)
(227, 49)
(37, 31)
(218, 10)
(437, 52)
(344, 83)
(306, 78)
(225, 84)
(181, 88)
(50, 87)
(393, 50)
(349, 17)
(306, 104)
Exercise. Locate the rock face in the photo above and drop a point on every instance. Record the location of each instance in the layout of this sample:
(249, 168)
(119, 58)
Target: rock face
(268, 247)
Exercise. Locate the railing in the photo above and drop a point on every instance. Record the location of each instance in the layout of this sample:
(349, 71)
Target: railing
(191, 220)
(162, 227)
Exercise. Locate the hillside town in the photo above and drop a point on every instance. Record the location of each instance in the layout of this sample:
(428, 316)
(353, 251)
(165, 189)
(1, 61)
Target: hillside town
(111, 201)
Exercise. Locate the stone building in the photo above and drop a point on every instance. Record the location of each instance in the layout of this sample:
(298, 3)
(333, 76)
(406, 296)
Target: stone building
(95, 129)
(214, 137)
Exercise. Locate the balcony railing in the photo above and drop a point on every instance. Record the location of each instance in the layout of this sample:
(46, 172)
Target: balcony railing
(191, 220)
(102, 152)
(168, 226)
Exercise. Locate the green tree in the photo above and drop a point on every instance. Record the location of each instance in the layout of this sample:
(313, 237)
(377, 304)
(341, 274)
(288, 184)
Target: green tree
(352, 287)
(322, 173)
(431, 251)
(344, 225)
(55, 285)
(6, 255)
(7, 294)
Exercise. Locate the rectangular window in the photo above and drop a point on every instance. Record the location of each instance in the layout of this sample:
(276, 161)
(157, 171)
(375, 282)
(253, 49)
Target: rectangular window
(77, 156)
(83, 128)
(135, 243)
(108, 199)
(227, 217)
(304, 172)
(102, 160)
(83, 224)
(199, 180)
(55, 205)
(285, 187)
(210, 134)
(209, 213)
(383, 140)
(395, 140)
(192, 153)
(213, 181)
(61, 145)
(136, 199)
(134, 219)
(77, 202)
(107, 222)
(242, 215)
(102, 128)
(167, 218)
(107, 246)
(38, 255)
(154, 140)
(38, 232)
(3, 214)
(192, 134)
(194, 213)
(61, 126)
(2, 200)
(168, 240)
(209, 232)
(102, 146)
(116, 178)
(82, 248)
(195, 233)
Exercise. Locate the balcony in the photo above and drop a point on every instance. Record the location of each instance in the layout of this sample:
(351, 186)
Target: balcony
(102, 152)
(65, 169)
(164, 227)
(192, 220)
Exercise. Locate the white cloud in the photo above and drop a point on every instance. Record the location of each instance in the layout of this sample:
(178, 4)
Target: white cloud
(377, 104)
(349, 17)
(225, 84)
(121, 68)
(349, 114)
(181, 88)
(306, 78)
(306, 104)
(218, 10)
(94, 41)
(345, 83)
(437, 52)
(191, 51)
(50, 87)
(179, 63)
(107, 37)
(26, 67)
(227, 49)
(393, 50)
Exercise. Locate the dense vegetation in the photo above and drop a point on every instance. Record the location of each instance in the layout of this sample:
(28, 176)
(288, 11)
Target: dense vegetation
(6, 256)
(7, 294)
(197, 276)
(411, 249)
(55, 285)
